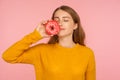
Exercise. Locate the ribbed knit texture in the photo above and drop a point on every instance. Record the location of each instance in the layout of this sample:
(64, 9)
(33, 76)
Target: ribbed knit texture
(52, 61)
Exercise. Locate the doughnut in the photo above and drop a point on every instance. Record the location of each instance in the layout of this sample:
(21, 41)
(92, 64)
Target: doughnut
(52, 27)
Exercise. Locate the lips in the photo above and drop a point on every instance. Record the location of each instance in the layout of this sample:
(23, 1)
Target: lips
(62, 28)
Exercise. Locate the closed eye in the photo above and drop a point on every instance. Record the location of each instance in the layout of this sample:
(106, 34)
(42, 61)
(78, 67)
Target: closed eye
(66, 20)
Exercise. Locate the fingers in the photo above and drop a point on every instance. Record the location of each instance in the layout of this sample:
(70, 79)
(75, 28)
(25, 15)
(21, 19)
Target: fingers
(42, 29)
(44, 22)
(41, 25)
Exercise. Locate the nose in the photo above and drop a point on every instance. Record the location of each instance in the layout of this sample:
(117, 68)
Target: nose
(60, 22)
(60, 25)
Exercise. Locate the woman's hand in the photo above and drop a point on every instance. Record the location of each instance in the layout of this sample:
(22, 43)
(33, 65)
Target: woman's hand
(41, 29)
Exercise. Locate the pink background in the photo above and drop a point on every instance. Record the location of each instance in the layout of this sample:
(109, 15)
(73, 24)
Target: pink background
(100, 20)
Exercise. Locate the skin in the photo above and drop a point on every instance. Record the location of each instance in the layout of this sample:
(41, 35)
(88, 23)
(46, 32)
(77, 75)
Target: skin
(67, 26)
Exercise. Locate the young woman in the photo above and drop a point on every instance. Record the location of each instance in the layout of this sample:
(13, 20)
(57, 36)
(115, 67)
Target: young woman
(64, 57)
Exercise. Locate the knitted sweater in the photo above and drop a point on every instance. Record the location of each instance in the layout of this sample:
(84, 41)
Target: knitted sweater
(53, 61)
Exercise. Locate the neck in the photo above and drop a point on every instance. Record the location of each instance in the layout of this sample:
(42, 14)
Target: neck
(66, 41)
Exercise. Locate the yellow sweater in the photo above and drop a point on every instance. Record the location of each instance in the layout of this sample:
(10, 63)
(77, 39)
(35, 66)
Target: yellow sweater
(52, 61)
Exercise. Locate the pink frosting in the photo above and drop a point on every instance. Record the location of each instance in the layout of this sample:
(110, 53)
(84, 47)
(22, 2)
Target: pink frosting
(52, 27)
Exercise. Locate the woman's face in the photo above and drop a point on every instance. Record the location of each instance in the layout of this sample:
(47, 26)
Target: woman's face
(66, 23)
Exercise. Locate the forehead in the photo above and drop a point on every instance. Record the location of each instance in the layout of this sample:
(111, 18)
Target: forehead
(62, 14)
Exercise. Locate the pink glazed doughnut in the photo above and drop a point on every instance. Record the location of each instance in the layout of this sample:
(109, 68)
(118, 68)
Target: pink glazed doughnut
(52, 27)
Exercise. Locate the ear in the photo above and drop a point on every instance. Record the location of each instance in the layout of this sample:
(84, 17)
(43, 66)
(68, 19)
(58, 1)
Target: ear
(76, 25)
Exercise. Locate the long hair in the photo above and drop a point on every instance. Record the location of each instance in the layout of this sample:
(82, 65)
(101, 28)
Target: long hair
(78, 33)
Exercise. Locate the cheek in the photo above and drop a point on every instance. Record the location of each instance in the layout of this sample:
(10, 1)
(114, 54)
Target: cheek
(66, 31)
(68, 28)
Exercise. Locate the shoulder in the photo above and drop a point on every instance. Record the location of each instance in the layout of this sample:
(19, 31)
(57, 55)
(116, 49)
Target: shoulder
(87, 50)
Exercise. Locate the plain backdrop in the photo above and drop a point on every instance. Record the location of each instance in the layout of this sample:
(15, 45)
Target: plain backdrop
(100, 20)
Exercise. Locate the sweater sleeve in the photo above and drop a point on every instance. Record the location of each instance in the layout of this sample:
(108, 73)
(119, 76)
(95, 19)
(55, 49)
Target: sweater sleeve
(91, 68)
(21, 52)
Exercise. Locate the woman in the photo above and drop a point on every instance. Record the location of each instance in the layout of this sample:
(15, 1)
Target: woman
(65, 57)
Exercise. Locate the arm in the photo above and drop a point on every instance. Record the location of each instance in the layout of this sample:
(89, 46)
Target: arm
(91, 69)
(21, 52)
